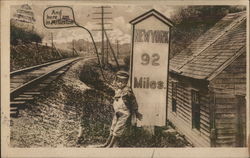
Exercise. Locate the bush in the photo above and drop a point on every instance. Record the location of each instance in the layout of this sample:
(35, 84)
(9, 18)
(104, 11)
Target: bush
(89, 75)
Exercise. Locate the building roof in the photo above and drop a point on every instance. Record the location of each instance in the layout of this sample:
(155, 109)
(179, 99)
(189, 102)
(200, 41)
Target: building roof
(215, 49)
(154, 13)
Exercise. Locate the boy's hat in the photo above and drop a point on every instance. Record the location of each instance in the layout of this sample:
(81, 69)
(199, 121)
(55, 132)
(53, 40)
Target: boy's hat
(122, 75)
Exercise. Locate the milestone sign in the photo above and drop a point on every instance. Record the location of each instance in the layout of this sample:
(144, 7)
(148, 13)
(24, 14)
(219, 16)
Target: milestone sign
(58, 17)
(149, 66)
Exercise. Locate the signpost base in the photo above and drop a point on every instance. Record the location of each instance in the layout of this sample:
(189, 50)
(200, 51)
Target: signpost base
(149, 129)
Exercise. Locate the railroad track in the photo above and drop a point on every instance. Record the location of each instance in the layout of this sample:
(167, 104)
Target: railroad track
(28, 82)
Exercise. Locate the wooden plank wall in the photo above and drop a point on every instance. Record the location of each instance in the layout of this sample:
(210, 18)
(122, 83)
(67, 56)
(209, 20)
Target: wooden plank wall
(182, 119)
(229, 83)
(225, 123)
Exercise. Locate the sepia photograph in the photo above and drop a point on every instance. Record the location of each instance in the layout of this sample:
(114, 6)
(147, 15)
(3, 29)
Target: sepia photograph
(143, 77)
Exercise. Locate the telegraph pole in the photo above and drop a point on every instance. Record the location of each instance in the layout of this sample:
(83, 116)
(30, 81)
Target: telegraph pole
(73, 47)
(51, 35)
(102, 21)
(102, 17)
(52, 44)
(56, 52)
(107, 51)
(117, 49)
(88, 52)
(112, 50)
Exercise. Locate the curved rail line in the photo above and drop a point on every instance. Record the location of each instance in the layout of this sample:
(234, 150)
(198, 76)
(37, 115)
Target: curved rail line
(28, 82)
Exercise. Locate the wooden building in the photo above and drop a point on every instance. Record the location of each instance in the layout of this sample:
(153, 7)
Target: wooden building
(207, 86)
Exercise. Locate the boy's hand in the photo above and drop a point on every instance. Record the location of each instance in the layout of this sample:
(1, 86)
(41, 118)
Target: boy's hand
(139, 116)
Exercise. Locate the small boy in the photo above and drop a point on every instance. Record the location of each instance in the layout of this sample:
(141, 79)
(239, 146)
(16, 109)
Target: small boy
(124, 106)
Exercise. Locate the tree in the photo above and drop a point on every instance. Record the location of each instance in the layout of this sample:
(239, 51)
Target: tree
(192, 21)
(25, 36)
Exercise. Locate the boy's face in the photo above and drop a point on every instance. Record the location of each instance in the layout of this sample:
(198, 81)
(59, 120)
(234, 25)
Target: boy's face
(121, 83)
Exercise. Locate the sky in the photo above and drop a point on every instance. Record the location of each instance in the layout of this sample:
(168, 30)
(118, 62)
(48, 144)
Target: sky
(121, 15)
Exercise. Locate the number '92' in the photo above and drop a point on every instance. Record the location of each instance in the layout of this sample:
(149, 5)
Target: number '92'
(146, 59)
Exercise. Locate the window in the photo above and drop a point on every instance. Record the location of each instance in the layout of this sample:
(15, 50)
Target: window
(174, 96)
(195, 109)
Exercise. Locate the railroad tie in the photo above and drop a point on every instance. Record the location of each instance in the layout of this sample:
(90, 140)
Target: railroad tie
(42, 85)
(17, 103)
(25, 95)
(32, 93)
(60, 72)
(22, 98)
(47, 81)
(14, 112)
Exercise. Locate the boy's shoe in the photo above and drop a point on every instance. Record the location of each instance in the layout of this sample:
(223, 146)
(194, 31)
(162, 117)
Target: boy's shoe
(79, 140)
(114, 143)
(106, 143)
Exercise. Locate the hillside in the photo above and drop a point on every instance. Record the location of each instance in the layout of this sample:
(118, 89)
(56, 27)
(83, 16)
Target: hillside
(86, 46)
(26, 55)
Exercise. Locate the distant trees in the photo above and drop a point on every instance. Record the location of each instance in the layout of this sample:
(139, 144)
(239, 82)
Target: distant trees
(25, 36)
(192, 21)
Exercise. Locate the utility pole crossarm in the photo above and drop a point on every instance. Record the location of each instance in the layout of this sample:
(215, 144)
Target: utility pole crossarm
(103, 29)
(103, 23)
(103, 7)
(103, 18)
(102, 13)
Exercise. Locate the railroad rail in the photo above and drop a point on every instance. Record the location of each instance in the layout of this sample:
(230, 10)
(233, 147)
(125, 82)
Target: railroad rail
(28, 82)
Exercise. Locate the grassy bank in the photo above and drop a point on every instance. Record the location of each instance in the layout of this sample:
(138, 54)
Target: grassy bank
(53, 118)
(99, 105)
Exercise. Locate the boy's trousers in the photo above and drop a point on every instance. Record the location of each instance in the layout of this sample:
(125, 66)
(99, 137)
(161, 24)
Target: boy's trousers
(119, 123)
